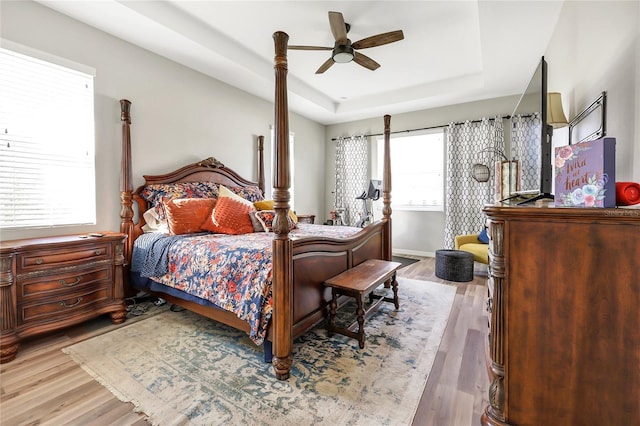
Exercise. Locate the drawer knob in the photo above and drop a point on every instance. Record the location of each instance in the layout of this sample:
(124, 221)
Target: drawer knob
(98, 252)
(39, 261)
(64, 303)
(66, 284)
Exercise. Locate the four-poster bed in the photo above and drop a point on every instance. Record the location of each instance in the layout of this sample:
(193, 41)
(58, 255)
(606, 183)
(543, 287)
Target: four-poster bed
(300, 261)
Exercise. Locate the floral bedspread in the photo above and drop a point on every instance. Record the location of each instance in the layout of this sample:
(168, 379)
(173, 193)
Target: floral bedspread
(234, 271)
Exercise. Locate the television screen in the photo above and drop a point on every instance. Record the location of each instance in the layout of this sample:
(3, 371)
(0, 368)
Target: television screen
(531, 137)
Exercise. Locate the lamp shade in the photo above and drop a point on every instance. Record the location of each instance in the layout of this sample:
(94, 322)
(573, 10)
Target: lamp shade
(555, 113)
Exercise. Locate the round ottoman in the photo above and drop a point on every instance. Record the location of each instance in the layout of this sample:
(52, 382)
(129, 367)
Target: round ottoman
(454, 265)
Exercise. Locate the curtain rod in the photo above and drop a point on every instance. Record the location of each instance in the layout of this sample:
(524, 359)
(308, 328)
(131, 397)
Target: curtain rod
(504, 117)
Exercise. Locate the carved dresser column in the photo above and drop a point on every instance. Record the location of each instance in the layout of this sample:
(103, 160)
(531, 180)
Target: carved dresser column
(494, 413)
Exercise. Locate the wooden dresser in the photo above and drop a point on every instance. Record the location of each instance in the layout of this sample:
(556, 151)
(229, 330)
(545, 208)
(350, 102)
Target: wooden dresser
(54, 282)
(564, 344)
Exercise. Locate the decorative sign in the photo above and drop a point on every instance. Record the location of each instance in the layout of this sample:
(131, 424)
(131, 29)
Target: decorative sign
(586, 174)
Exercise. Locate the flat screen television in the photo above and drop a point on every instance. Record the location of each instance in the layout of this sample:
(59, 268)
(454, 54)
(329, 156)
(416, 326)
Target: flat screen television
(531, 135)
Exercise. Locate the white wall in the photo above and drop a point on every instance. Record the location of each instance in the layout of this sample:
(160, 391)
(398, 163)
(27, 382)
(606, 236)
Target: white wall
(419, 233)
(596, 48)
(178, 115)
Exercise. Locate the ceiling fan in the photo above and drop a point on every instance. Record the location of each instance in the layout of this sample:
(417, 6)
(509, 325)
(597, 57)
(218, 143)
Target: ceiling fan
(344, 51)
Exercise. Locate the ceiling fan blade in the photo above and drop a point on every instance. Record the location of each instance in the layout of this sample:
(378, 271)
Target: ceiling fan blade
(379, 40)
(309, 48)
(338, 27)
(325, 66)
(365, 61)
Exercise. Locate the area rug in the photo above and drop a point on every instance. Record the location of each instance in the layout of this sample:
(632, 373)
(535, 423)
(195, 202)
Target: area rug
(406, 261)
(180, 368)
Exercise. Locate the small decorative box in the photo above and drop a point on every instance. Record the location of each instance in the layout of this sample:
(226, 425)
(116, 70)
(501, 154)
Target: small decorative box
(585, 174)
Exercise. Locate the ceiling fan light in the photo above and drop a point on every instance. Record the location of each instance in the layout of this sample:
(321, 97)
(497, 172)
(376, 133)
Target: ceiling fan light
(343, 54)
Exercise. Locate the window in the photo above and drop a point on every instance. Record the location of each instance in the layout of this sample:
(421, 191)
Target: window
(417, 170)
(47, 143)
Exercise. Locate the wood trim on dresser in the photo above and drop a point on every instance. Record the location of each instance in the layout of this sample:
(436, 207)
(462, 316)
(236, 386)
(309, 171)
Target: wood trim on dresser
(55, 282)
(564, 331)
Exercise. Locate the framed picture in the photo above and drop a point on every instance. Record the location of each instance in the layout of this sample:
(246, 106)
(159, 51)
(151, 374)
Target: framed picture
(507, 179)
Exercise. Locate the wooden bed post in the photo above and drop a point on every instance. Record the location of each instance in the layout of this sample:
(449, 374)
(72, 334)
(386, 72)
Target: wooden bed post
(261, 163)
(282, 248)
(126, 192)
(386, 186)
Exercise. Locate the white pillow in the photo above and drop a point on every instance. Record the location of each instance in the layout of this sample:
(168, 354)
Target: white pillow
(153, 222)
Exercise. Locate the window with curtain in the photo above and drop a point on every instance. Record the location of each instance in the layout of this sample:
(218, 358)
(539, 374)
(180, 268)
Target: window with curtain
(47, 143)
(417, 168)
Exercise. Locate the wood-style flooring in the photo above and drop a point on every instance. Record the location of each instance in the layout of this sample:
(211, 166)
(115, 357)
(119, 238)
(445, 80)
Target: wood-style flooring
(43, 386)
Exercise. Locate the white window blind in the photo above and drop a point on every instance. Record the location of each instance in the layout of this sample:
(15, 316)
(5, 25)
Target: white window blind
(47, 144)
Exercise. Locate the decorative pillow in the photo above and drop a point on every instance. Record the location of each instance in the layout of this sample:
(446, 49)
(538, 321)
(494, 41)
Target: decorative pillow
(153, 222)
(266, 217)
(251, 193)
(257, 225)
(230, 215)
(186, 215)
(268, 205)
(155, 193)
(483, 237)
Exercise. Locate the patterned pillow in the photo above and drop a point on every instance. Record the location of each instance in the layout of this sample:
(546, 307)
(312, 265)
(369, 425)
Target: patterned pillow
(230, 215)
(268, 205)
(155, 193)
(251, 193)
(266, 217)
(257, 225)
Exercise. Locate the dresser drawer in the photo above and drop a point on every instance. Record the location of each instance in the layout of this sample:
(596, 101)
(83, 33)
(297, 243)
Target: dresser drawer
(51, 258)
(64, 282)
(63, 306)
(53, 282)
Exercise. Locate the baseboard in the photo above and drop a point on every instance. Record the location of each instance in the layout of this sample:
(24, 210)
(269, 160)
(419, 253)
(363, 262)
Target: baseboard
(400, 252)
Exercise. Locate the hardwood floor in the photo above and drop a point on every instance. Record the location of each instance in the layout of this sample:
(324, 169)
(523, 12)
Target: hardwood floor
(44, 386)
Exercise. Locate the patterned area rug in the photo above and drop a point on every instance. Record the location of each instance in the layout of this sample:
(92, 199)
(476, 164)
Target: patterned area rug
(180, 368)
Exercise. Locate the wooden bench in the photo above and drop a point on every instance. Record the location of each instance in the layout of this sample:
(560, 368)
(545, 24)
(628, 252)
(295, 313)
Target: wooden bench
(357, 282)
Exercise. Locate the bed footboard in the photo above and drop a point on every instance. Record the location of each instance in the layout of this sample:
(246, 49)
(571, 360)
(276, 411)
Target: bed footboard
(316, 259)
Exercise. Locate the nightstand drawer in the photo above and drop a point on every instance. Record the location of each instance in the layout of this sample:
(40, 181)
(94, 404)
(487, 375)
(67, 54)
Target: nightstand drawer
(62, 306)
(51, 258)
(70, 281)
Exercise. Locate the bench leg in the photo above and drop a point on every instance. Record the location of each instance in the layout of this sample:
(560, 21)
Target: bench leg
(394, 285)
(360, 313)
(332, 312)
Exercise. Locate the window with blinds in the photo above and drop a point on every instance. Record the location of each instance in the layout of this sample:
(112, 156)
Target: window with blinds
(47, 144)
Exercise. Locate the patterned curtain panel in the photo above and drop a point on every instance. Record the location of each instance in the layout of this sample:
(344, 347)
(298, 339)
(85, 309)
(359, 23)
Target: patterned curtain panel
(525, 146)
(469, 144)
(352, 166)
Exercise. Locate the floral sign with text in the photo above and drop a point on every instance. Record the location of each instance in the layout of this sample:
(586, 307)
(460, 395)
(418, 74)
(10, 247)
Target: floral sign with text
(585, 174)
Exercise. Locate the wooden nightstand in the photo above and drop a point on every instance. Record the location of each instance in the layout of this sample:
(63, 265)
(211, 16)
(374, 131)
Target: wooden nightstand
(306, 218)
(54, 282)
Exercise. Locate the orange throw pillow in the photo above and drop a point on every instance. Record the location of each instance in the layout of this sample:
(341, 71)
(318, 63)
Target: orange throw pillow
(230, 215)
(186, 215)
